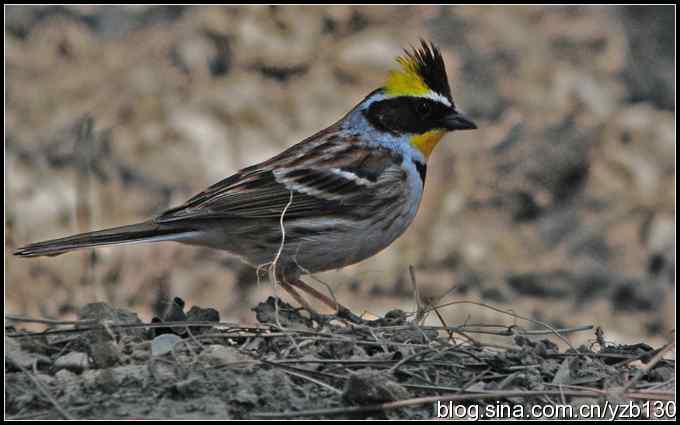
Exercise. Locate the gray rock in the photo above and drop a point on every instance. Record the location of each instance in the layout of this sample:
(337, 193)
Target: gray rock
(105, 354)
(164, 344)
(65, 375)
(74, 361)
(16, 357)
(104, 313)
(369, 387)
(221, 355)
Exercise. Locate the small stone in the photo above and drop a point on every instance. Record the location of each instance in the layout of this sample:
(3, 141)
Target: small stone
(174, 311)
(44, 378)
(477, 387)
(164, 344)
(661, 374)
(220, 355)
(187, 387)
(65, 375)
(288, 316)
(104, 354)
(203, 314)
(372, 387)
(563, 375)
(130, 373)
(104, 313)
(105, 381)
(18, 358)
(199, 314)
(162, 371)
(140, 355)
(74, 361)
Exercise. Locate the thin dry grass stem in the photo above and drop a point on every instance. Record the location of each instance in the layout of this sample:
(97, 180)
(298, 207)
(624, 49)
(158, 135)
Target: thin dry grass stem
(508, 332)
(108, 327)
(134, 326)
(457, 350)
(647, 367)
(434, 388)
(19, 318)
(425, 304)
(512, 314)
(476, 378)
(380, 341)
(423, 334)
(415, 376)
(599, 337)
(420, 310)
(407, 359)
(41, 387)
(187, 344)
(193, 337)
(471, 328)
(274, 266)
(235, 330)
(670, 384)
(303, 374)
(316, 381)
(450, 332)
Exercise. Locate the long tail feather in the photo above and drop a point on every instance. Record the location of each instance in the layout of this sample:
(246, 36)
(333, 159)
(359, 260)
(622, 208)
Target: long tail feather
(134, 233)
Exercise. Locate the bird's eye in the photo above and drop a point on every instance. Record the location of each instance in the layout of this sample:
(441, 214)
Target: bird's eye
(423, 108)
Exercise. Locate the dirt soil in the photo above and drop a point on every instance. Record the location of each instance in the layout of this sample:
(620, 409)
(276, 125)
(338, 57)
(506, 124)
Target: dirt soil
(110, 365)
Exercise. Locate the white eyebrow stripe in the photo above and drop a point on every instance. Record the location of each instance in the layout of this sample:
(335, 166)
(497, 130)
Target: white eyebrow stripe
(429, 95)
(437, 98)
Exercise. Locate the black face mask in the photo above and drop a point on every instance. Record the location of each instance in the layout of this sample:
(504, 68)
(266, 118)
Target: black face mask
(415, 115)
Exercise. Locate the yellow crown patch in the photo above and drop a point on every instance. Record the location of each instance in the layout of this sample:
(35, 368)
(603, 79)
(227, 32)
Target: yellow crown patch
(421, 71)
(407, 81)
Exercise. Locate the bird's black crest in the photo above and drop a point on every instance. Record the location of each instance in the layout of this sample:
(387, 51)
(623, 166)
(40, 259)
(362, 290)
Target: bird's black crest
(430, 65)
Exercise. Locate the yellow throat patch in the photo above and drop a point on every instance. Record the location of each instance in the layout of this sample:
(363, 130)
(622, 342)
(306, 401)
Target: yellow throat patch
(406, 81)
(426, 142)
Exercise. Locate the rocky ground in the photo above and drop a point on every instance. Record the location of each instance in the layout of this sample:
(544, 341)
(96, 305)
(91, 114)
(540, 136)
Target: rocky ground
(110, 365)
(560, 208)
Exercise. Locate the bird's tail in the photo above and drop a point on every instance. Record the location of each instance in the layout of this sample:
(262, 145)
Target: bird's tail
(134, 233)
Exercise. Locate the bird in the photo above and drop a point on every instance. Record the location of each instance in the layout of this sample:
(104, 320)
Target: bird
(334, 199)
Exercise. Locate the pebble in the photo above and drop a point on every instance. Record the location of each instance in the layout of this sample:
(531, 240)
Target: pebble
(221, 355)
(74, 361)
(164, 344)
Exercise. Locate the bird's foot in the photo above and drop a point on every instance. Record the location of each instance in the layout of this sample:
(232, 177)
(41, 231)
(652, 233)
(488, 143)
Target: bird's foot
(345, 313)
(342, 314)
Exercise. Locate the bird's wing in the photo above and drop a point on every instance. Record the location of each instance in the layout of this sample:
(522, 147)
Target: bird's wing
(325, 174)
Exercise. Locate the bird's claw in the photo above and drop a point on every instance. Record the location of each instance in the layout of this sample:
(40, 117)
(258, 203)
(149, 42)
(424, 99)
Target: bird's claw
(342, 313)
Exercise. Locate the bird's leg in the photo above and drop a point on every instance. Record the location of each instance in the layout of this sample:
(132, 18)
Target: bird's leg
(314, 315)
(280, 278)
(342, 311)
(297, 296)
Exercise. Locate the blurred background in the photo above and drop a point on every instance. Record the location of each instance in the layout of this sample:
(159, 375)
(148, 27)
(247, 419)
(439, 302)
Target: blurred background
(561, 207)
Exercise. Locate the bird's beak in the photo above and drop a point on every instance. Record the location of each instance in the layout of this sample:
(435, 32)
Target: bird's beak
(457, 121)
